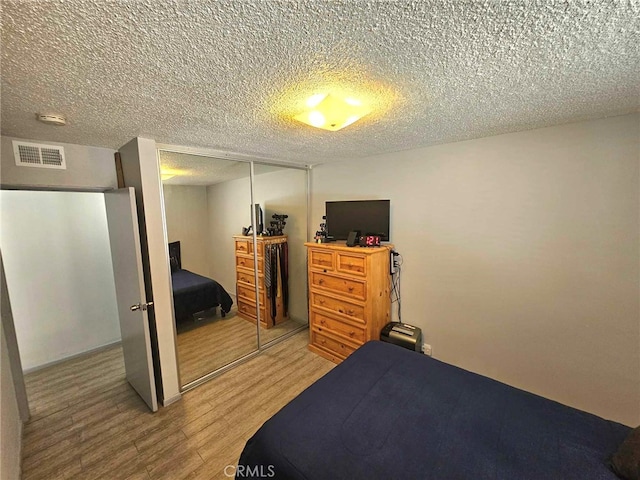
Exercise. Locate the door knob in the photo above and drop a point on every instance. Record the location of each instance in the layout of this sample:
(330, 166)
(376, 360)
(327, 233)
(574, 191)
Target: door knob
(141, 306)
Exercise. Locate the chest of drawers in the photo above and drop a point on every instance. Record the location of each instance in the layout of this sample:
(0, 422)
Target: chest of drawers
(349, 297)
(272, 307)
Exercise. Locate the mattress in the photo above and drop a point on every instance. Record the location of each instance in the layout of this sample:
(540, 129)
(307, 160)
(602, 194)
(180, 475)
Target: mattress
(389, 413)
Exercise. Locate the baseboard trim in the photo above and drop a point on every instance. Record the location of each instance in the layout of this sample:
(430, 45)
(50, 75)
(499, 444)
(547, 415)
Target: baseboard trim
(71, 357)
(168, 401)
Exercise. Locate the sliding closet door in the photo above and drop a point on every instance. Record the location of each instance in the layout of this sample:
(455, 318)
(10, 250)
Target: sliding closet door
(207, 205)
(281, 193)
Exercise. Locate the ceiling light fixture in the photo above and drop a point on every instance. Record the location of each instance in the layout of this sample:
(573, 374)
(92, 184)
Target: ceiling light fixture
(332, 112)
(52, 119)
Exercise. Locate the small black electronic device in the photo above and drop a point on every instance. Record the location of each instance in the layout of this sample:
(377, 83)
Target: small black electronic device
(369, 241)
(353, 238)
(402, 334)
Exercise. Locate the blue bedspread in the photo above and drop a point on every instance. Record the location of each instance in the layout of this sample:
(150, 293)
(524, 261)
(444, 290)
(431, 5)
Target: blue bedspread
(194, 293)
(389, 413)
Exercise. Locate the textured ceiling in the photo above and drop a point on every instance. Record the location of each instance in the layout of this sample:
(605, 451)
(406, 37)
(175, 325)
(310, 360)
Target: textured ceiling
(202, 170)
(229, 74)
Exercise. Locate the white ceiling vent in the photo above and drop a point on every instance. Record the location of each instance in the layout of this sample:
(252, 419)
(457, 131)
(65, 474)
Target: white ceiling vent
(38, 155)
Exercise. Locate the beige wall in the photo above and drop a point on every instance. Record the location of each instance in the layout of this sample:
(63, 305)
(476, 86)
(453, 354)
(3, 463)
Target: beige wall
(188, 222)
(285, 192)
(229, 211)
(87, 168)
(521, 255)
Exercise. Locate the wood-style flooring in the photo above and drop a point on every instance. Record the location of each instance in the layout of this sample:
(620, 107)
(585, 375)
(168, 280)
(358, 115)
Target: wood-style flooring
(211, 342)
(87, 422)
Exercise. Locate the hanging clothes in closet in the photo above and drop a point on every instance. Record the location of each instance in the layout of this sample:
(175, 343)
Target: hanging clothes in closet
(276, 277)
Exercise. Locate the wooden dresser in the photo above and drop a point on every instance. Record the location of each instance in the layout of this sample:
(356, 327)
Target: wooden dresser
(245, 281)
(349, 297)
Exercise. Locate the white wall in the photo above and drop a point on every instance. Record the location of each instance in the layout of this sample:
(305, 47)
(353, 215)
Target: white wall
(59, 273)
(229, 207)
(87, 167)
(187, 220)
(10, 422)
(521, 255)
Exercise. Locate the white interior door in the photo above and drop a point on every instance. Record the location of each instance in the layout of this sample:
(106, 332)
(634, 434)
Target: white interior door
(122, 219)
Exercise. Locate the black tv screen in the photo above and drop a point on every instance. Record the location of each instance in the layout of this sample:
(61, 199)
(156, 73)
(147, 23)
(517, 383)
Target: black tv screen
(370, 217)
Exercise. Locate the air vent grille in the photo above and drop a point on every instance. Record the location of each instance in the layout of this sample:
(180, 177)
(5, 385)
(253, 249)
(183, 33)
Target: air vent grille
(51, 156)
(38, 155)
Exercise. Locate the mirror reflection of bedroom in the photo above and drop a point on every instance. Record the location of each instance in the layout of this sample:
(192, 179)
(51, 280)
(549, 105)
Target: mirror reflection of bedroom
(208, 214)
(281, 194)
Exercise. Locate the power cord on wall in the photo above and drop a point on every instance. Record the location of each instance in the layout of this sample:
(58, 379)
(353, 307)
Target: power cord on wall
(396, 260)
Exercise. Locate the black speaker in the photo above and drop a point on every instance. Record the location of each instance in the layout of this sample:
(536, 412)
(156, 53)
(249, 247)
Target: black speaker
(353, 238)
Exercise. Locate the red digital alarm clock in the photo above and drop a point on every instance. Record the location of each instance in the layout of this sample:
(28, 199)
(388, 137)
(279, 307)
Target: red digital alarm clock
(370, 241)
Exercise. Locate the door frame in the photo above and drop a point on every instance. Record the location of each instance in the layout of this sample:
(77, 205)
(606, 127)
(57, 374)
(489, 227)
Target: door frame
(13, 351)
(8, 324)
(141, 170)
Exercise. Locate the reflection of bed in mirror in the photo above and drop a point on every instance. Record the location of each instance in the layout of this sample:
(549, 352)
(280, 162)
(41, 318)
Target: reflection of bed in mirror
(193, 293)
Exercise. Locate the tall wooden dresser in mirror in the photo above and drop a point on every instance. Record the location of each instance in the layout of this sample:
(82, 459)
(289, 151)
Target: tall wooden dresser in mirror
(273, 281)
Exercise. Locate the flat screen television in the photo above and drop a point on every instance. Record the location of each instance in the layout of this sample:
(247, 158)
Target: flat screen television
(370, 217)
(259, 219)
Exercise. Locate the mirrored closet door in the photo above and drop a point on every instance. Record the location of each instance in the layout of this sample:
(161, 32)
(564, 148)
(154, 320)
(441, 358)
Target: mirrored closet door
(280, 197)
(207, 202)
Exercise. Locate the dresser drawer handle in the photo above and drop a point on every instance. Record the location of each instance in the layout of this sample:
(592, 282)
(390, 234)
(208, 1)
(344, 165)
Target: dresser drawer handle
(350, 312)
(352, 333)
(241, 262)
(323, 322)
(350, 289)
(321, 281)
(321, 301)
(323, 341)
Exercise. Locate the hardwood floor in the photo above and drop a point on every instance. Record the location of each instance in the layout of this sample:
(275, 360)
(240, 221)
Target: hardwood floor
(212, 342)
(87, 422)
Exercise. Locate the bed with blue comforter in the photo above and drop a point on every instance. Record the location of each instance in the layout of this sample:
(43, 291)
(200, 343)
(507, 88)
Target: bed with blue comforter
(389, 413)
(193, 293)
